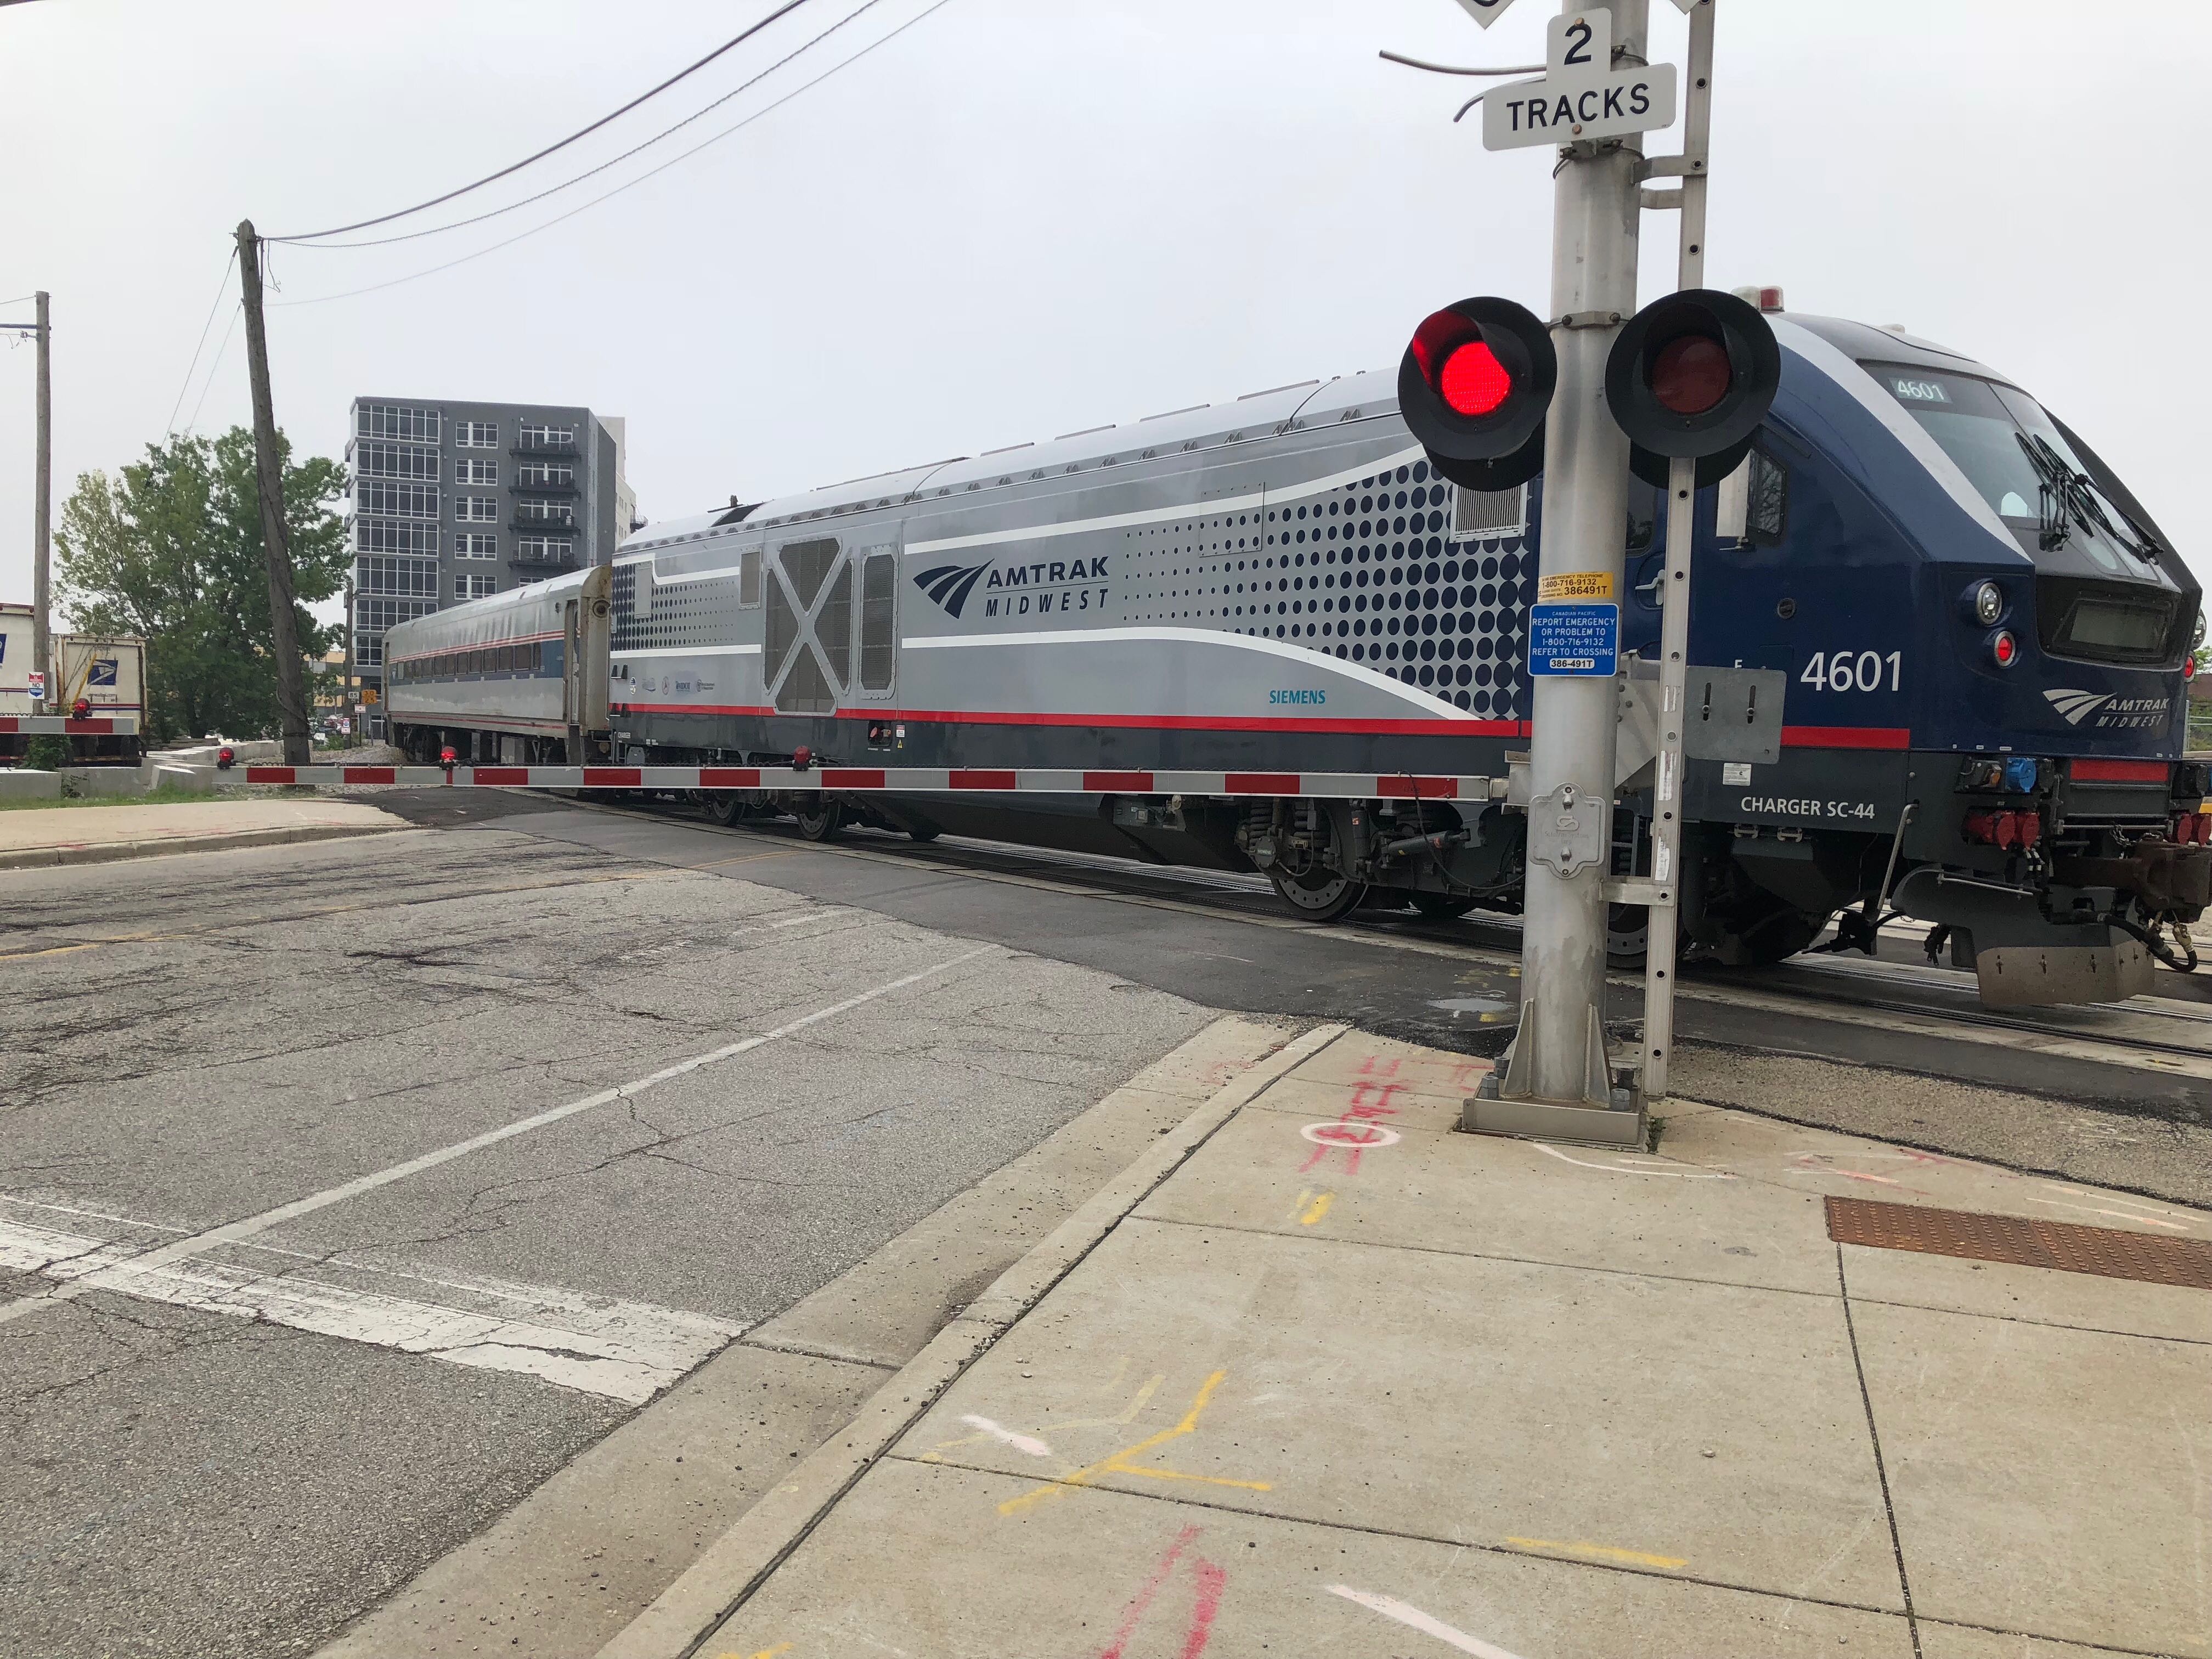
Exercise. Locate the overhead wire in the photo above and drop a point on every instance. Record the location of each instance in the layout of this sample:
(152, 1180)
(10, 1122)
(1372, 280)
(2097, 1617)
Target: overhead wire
(766, 109)
(223, 287)
(735, 40)
(215, 365)
(667, 131)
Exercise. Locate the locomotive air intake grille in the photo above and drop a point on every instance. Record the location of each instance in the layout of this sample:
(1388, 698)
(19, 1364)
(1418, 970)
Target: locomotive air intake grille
(2106, 1252)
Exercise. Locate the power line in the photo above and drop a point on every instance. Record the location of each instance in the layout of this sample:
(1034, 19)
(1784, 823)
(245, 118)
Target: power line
(215, 366)
(416, 235)
(788, 7)
(223, 287)
(324, 299)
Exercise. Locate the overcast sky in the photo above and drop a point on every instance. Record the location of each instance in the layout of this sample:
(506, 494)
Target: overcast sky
(1015, 220)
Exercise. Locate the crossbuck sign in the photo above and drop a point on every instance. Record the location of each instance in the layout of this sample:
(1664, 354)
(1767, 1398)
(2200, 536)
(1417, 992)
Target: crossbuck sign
(1582, 96)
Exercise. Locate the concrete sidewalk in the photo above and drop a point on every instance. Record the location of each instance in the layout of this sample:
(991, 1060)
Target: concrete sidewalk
(38, 836)
(1346, 1381)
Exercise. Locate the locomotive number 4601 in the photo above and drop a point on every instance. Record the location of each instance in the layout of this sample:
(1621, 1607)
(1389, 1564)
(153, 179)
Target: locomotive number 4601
(1854, 670)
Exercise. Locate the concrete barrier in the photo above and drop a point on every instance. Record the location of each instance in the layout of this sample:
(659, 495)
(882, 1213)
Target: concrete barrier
(20, 783)
(100, 782)
(200, 780)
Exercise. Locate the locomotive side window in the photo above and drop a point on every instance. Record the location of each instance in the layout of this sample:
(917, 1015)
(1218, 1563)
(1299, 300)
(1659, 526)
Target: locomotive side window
(878, 619)
(1766, 501)
(749, 577)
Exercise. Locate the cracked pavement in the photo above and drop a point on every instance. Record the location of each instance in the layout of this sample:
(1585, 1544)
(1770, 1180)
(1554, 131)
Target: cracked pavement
(196, 1041)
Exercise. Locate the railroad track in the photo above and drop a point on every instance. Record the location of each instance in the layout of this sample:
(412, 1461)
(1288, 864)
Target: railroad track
(2169, 1033)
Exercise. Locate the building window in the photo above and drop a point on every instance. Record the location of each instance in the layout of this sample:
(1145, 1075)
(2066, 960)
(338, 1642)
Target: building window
(545, 550)
(543, 475)
(470, 546)
(477, 509)
(402, 577)
(368, 649)
(539, 436)
(374, 535)
(380, 614)
(545, 512)
(418, 426)
(474, 588)
(387, 461)
(403, 501)
(476, 434)
(477, 472)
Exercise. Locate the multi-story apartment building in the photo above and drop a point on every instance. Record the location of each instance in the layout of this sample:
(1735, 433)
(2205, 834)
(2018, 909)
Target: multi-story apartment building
(455, 500)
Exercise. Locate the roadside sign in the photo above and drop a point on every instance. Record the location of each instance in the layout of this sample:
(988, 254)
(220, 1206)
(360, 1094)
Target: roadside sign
(1486, 12)
(345, 726)
(1574, 638)
(1582, 96)
(37, 685)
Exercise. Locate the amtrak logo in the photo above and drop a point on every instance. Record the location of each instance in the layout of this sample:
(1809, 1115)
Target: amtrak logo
(950, 585)
(2108, 713)
(2076, 706)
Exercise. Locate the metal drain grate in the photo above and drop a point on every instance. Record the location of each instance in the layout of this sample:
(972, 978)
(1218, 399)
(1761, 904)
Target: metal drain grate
(2104, 1251)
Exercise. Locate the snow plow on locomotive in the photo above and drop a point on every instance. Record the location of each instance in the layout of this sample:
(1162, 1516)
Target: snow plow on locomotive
(1954, 646)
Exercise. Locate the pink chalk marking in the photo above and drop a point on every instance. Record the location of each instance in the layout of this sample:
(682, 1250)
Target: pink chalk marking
(1211, 1580)
(1146, 1591)
(1413, 1619)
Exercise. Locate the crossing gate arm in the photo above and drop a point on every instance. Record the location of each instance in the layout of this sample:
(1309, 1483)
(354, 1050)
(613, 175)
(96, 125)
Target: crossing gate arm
(905, 779)
(62, 726)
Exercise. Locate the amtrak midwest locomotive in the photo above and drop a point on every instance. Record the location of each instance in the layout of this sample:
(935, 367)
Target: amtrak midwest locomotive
(1985, 638)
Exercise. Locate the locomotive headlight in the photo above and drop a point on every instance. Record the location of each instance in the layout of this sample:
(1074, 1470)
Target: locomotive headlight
(1989, 604)
(2197, 640)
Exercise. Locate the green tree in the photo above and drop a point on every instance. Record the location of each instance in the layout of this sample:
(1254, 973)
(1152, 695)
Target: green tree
(171, 549)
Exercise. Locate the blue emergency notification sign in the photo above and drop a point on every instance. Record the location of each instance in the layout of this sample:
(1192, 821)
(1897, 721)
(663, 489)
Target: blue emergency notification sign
(1574, 638)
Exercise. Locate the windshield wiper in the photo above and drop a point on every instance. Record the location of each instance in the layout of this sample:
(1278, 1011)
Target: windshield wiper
(2052, 492)
(2068, 494)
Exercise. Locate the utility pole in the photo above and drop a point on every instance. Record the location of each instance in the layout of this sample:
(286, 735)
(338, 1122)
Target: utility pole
(1560, 1058)
(349, 699)
(42, 520)
(275, 545)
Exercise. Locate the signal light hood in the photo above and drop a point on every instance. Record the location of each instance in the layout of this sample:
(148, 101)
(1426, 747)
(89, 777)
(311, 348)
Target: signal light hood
(1693, 375)
(1474, 387)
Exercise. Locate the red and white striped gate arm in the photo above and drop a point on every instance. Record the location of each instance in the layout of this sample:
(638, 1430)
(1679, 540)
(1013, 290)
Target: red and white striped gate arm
(906, 779)
(61, 726)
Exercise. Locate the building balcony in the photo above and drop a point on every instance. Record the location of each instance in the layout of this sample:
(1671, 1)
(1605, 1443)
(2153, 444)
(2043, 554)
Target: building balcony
(529, 444)
(547, 486)
(530, 523)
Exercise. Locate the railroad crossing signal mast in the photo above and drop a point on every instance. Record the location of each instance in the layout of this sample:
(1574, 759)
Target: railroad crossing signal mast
(1674, 392)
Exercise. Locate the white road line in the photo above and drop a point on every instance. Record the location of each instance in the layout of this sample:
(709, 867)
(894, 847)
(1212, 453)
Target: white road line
(246, 1227)
(627, 1350)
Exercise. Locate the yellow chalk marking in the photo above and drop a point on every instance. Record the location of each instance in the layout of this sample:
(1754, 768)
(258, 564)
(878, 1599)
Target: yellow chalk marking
(765, 1653)
(1118, 1463)
(1603, 1552)
(1317, 1210)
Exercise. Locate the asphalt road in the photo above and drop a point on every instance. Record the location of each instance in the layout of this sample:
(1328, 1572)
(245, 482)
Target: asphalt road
(200, 1041)
(391, 1067)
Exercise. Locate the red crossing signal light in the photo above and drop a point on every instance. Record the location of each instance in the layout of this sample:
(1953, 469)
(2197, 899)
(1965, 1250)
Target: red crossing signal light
(1474, 386)
(1693, 375)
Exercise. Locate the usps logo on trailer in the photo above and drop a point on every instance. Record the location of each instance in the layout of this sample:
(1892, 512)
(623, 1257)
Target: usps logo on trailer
(103, 671)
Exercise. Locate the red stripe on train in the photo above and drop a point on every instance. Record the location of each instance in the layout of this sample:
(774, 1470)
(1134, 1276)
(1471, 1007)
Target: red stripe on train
(1846, 737)
(2118, 771)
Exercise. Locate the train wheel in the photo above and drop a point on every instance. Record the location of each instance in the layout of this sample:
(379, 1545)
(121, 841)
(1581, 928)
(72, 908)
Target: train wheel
(821, 820)
(923, 833)
(1319, 895)
(725, 806)
(1439, 906)
(1627, 934)
(1779, 933)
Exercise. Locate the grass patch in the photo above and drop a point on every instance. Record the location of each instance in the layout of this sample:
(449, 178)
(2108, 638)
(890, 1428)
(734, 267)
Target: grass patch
(168, 795)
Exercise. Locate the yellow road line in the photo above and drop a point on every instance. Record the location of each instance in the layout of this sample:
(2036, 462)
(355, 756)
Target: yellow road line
(1118, 1463)
(1600, 1552)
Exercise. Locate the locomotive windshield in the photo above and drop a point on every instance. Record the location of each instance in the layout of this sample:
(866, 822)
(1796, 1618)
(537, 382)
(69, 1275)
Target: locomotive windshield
(2100, 593)
(2015, 454)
